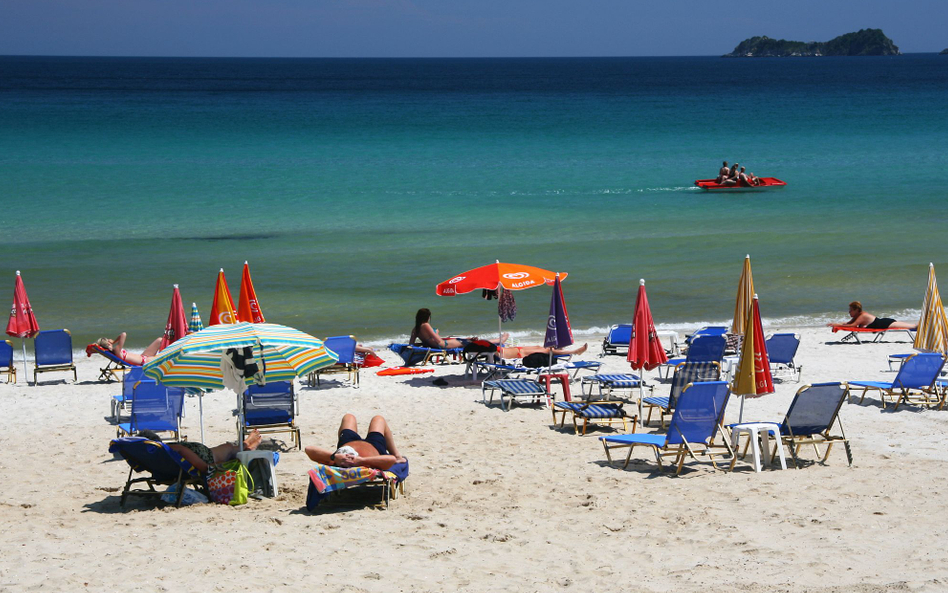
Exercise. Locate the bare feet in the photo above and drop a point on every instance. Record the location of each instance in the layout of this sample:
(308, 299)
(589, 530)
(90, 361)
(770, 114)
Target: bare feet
(253, 440)
(581, 349)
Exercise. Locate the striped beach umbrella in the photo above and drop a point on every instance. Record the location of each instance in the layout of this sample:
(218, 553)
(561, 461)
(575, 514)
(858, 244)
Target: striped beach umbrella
(195, 325)
(745, 298)
(932, 334)
(195, 361)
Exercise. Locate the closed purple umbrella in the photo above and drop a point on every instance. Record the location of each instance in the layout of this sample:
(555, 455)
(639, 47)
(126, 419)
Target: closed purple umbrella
(558, 331)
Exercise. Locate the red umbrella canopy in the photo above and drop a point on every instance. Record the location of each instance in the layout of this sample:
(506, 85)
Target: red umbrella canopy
(492, 276)
(22, 323)
(645, 347)
(248, 307)
(753, 376)
(177, 326)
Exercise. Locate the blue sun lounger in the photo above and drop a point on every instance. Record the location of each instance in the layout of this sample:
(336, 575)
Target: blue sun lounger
(6, 361)
(325, 481)
(685, 373)
(155, 407)
(270, 408)
(53, 352)
(607, 383)
(781, 349)
(123, 401)
(694, 423)
(164, 465)
(914, 383)
(345, 347)
(419, 355)
(705, 348)
(513, 389)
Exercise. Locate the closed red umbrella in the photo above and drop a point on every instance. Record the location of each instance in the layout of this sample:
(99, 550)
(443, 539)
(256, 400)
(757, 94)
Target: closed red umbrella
(753, 378)
(22, 323)
(177, 326)
(645, 347)
(248, 308)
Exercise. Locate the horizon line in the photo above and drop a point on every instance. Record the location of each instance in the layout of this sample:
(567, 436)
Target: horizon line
(563, 57)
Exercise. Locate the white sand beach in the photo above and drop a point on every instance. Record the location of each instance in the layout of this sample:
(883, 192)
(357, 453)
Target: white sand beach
(497, 501)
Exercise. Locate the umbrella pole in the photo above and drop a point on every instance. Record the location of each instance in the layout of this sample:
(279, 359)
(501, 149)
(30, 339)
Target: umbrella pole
(201, 410)
(740, 416)
(641, 395)
(26, 372)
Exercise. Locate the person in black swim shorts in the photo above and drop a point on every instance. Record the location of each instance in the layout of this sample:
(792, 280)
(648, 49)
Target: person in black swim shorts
(861, 318)
(377, 450)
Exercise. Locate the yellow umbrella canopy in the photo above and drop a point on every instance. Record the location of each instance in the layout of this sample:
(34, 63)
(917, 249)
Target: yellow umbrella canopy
(932, 334)
(745, 297)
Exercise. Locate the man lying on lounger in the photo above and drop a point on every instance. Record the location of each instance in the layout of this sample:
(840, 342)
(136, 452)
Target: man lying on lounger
(869, 321)
(377, 450)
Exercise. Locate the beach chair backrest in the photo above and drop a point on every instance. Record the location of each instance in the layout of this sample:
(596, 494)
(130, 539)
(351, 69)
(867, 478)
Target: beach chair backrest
(698, 412)
(132, 376)
(781, 348)
(53, 346)
(919, 371)
(707, 349)
(710, 330)
(344, 346)
(155, 457)
(6, 354)
(620, 335)
(155, 406)
(813, 409)
(273, 403)
(691, 372)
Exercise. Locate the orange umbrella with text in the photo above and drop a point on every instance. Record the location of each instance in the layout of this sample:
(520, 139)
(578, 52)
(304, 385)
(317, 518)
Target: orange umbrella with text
(753, 378)
(222, 311)
(496, 276)
(248, 307)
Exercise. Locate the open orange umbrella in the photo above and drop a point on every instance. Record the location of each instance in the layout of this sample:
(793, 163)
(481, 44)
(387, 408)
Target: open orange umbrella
(248, 307)
(222, 311)
(496, 276)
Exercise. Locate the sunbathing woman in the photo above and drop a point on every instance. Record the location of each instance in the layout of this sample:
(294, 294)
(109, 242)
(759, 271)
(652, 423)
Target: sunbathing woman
(428, 336)
(201, 456)
(117, 346)
(521, 351)
(377, 450)
(862, 319)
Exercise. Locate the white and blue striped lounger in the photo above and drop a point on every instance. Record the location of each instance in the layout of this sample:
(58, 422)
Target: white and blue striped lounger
(607, 383)
(598, 412)
(513, 388)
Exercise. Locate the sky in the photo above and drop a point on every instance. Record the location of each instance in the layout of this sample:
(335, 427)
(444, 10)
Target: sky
(448, 28)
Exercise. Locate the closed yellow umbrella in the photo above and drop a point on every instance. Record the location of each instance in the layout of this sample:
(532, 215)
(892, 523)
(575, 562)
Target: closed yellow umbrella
(932, 334)
(745, 297)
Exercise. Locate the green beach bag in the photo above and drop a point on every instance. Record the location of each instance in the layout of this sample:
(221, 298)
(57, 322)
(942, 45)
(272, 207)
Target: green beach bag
(227, 483)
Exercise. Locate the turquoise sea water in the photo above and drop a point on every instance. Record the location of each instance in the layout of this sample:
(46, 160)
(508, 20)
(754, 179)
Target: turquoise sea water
(354, 186)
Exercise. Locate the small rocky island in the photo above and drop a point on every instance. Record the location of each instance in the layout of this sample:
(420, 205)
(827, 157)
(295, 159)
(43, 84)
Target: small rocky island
(866, 42)
(944, 52)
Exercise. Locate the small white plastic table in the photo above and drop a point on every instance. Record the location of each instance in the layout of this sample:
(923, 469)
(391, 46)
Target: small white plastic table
(762, 430)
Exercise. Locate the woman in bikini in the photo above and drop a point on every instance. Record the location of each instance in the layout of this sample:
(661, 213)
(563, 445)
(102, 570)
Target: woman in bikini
(428, 336)
(377, 450)
(861, 318)
(521, 351)
(117, 346)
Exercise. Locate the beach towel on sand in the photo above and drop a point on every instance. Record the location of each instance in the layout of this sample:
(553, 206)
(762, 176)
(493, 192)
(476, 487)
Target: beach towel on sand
(325, 479)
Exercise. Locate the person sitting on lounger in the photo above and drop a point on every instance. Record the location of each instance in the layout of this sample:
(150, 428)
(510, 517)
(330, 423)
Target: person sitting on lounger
(377, 450)
(428, 336)
(861, 318)
(117, 346)
(201, 456)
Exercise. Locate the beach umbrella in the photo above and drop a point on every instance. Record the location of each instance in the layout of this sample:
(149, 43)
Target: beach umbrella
(558, 331)
(753, 378)
(222, 311)
(22, 323)
(497, 276)
(645, 347)
(195, 361)
(248, 307)
(177, 326)
(745, 295)
(932, 333)
(195, 325)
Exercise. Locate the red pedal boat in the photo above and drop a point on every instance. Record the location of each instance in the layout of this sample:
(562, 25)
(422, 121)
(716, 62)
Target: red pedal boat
(766, 184)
